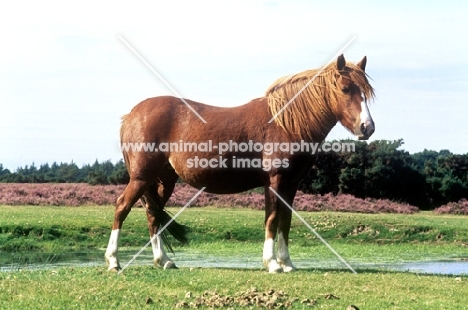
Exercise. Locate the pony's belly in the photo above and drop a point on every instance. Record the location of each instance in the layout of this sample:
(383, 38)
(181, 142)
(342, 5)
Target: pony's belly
(223, 182)
(219, 174)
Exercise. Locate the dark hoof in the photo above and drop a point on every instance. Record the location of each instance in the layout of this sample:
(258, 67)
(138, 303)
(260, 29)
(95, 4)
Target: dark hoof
(170, 265)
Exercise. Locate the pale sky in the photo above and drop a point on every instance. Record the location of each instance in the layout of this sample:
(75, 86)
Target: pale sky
(66, 78)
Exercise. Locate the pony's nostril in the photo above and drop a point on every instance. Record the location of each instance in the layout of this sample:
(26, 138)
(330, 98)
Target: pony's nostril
(363, 128)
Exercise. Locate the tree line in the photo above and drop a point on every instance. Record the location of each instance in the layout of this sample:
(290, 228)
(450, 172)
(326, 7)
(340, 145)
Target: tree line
(98, 173)
(379, 169)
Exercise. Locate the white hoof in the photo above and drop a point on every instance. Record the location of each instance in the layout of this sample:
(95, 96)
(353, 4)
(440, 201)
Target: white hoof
(287, 266)
(112, 263)
(273, 267)
(114, 269)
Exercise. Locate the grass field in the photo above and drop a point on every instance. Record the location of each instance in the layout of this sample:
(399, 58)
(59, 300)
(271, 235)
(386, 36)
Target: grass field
(146, 287)
(357, 237)
(65, 229)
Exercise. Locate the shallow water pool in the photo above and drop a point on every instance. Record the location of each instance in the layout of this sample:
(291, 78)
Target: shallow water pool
(14, 262)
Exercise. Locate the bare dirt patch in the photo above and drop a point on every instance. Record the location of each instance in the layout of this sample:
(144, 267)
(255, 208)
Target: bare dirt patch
(269, 299)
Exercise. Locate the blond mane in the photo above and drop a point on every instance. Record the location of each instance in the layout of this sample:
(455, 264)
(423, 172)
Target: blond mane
(312, 113)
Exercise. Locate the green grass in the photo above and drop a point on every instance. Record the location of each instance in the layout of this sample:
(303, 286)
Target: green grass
(94, 288)
(379, 236)
(230, 232)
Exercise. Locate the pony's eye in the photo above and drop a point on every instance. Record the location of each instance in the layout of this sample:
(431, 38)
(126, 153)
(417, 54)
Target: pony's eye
(346, 90)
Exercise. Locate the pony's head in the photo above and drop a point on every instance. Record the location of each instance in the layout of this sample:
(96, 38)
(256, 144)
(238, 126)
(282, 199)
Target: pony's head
(353, 112)
(310, 103)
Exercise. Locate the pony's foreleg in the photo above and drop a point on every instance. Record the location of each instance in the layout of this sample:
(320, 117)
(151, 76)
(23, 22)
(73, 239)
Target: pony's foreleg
(283, 258)
(131, 194)
(278, 220)
(271, 226)
(269, 258)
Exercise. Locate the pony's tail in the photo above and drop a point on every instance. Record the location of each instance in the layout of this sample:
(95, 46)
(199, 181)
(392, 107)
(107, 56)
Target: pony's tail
(122, 133)
(178, 231)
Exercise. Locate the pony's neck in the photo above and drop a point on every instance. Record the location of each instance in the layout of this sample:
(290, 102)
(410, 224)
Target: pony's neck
(321, 123)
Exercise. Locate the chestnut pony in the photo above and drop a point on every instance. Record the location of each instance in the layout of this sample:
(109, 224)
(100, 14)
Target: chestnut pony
(298, 109)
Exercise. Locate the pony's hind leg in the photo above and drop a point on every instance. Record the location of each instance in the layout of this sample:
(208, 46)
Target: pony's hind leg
(153, 204)
(133, 191)
(155, 199)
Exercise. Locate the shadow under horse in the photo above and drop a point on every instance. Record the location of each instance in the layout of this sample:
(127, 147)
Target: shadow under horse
(262, 143)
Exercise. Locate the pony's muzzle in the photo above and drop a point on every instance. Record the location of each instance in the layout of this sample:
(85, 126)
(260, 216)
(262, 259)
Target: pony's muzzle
(367, 129)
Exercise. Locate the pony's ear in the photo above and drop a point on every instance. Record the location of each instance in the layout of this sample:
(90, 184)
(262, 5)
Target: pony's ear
(362, 64)
(340, 62)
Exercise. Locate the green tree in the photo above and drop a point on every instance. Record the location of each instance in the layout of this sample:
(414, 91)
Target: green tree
(352, 178)
(100, 173)
(382, 170)
(68, 173)
(120, 174)
(447, 177)
(3, 173)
